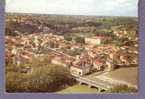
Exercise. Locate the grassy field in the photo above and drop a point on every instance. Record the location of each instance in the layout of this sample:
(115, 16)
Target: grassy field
(78, 89)
(129, 75)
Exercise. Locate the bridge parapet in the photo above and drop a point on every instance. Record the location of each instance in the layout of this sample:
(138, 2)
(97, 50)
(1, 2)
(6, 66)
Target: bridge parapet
(93, 83)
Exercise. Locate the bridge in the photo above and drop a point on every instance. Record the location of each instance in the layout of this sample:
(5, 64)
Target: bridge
(97, 83)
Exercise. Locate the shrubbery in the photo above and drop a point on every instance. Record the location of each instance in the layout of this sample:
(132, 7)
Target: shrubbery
(42, 78)
(122, 89)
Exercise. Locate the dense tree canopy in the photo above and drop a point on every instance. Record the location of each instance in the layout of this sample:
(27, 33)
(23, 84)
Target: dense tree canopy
(43, 78)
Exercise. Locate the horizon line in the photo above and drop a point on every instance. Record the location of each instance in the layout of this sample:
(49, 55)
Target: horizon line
(71, 14)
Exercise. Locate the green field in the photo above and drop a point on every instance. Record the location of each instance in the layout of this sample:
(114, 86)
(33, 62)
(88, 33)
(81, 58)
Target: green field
(129, 75)
(79, 89)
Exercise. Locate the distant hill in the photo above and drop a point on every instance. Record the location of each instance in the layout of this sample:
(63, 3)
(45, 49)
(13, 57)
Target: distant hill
(61, 24)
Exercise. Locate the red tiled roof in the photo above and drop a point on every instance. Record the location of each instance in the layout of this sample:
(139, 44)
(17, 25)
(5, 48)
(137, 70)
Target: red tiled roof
(98, 61)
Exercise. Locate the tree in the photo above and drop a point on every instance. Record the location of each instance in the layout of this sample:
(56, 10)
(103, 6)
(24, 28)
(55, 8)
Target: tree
(80, 39)
(68, 38)
(43, 78)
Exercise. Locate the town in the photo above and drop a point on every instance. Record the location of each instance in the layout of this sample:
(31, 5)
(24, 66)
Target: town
(84, 56)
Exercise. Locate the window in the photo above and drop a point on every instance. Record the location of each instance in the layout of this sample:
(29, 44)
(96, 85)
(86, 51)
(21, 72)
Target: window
(80, 73)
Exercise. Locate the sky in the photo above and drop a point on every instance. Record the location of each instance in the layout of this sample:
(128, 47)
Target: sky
(75, 7)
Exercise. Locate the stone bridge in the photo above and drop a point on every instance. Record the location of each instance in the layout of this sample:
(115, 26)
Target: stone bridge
(100, 85)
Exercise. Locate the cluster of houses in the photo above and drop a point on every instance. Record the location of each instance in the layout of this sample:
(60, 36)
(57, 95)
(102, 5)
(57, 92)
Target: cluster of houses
(95, 56)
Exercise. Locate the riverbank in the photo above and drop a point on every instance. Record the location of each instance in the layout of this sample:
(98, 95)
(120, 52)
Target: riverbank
(77, 89)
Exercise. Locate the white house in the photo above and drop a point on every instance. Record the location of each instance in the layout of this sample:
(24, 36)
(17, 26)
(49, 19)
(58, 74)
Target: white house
(97, 64)
(79, 70)
(93, 41)
(96, 40)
